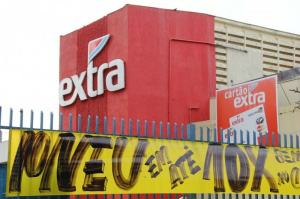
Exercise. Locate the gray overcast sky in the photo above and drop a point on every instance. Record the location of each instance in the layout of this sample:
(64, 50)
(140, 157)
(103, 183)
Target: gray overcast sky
(30, 30)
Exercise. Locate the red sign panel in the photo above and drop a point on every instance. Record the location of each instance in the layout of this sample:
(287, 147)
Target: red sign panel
(252, 107)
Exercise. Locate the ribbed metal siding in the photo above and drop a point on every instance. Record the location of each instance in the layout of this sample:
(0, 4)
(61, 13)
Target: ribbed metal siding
(280, 50)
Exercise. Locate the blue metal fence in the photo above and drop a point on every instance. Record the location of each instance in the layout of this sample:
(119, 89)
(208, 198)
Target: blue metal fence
(181, 131)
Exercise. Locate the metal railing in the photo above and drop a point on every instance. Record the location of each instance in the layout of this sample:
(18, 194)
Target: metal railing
(150, 130)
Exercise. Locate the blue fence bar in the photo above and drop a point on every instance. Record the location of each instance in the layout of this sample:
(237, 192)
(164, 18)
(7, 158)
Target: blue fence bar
(153, 129)
(114, 126)
(215, 135)
(146, 129)
(70, 122)
(201, 134)
(234, 136)
(89, 124)
(97, 124)
(241, 137)
(10, 118)
(291, 141)
(228, 136)
(279, 139)
(31, 119)
(160, 130)
(79, 123)
(130, 127)
(138, 125)
(168, 130)
(51, 121)
(175, 131)
(222, 134)
(285, 140)
(21, 118)
(42, 120)
(105, 125)
(208, 134)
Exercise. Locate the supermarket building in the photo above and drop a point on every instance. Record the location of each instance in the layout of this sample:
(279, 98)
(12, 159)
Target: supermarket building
(173, 63)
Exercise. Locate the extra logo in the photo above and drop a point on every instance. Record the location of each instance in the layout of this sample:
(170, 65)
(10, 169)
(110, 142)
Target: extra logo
(66, 85)
(244, 96)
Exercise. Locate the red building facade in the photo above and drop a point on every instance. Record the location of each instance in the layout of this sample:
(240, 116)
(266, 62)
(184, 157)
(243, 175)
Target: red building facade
(169, 61)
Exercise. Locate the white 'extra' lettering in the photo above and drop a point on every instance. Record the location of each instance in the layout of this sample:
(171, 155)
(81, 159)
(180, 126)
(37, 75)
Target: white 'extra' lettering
(66, 85)
(250, 99)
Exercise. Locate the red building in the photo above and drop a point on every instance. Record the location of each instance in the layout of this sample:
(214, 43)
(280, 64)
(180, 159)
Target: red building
(169, 64)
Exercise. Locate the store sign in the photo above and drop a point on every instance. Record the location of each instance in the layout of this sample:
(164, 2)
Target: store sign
(73, 86)
(44, 163)
(248, 107)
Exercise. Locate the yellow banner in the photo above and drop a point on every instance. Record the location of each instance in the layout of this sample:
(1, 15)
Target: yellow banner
(55, 163)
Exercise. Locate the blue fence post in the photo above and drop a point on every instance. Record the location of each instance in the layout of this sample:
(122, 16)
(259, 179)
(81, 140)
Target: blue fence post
(146, 130)
(122, 127)
(241, 137)
(130, 127)
(160, 130)
(208, 134)
(297, 141)
(215, 135)
(89, 124)
(79, 123)
(11, 118)
(248, 137)
(254, 137)
(70, 122)
(175, 131)
(260, 139)
(279, 139)
(273, 139)
(228, 136)
(21, 118)
(267, 138)
(285, 140)
(182, 131)
(97, 124)
(105, 125)
(291, 141)
(114, 126)
(191, 131)
(42, 120)
(153, 129)
(221, 132)
(138, 125)
(51, 121)
(60, 122)
(234, 136)
(168, 130)
(201, 133)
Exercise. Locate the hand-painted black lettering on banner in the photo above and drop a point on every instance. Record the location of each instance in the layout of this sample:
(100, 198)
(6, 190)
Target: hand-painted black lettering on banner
(56, 163)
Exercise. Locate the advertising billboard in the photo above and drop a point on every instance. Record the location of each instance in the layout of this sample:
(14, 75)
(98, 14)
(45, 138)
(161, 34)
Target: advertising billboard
(44, 163)
(251, 107)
